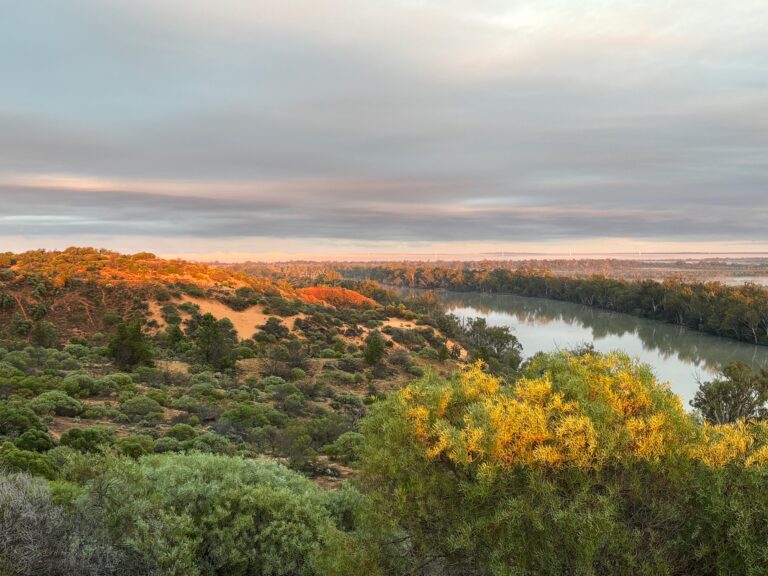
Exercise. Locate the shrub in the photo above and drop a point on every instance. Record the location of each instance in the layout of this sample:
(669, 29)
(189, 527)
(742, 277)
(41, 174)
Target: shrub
(374, 350)
(94, 439)
(298, 374)
(212, 443)
(347, 448)
(129, 346)
(247, 416)
(167, 444)
(35, 441)
(141, 408)
(18, 460)
(38, 537)
(80, 385)
(136, 445)
(181, 432)
(598, 467)
(15, 419)
(56, 402)
(252, 517)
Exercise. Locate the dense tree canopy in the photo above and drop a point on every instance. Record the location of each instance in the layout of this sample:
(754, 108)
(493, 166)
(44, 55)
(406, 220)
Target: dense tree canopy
(737, 395)
(739, 312)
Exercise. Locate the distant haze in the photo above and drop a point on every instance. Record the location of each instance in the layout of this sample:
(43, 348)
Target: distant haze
(361, 128)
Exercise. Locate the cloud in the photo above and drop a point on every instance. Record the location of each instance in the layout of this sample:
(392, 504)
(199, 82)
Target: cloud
(376, 120)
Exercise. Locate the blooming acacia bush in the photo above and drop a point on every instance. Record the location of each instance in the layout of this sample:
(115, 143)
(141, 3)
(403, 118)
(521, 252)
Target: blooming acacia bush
(585, 465)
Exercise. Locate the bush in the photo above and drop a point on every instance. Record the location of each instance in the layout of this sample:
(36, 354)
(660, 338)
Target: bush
(212, 443)
(35, 441)
(39, 538)
(129, 346)
(135, 446)
(298, 374)
(56, 402)
(18, 460)
(584, 466)
(347, 448)
(374, 350)
(428, 354)
(181, 432)
(270, 382)
(142, 408)
(44, 334)
(252, 517)
(15, 419)
(245, 417)
(167, 444)
(94, 439)
(80, 385)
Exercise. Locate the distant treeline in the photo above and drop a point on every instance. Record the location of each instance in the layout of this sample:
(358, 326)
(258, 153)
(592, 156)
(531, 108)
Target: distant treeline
(738, 312)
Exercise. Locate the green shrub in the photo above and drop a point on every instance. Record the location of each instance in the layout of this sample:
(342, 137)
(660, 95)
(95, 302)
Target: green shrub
(252, 517)
(212, 443)
(347, 448)
(181, 432)
(92, 440)
(35, 441)
(15, 419)
(80, 386)
(141, 408)
(168, 444)
(136, 445)
(18, 460)
(56, 402)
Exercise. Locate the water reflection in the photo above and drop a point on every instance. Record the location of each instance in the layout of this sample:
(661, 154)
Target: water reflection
(678, 355)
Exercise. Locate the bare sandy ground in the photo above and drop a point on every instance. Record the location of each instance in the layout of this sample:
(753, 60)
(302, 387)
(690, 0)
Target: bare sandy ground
(245, 322)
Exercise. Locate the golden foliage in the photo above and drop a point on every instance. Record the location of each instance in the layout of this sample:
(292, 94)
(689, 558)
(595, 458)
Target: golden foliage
(608, 409)
(723, 444)
(335, 296)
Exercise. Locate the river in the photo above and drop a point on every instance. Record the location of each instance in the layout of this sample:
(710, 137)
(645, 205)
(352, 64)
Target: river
(679, 356)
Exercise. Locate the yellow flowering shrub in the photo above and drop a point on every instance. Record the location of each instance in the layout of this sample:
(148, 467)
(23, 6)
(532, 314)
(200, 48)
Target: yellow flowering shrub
(592, 409)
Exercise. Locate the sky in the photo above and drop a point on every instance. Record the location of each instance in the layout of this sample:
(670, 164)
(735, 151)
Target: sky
(271, 129)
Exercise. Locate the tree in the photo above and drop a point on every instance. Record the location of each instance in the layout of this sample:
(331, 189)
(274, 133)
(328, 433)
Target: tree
(215, 341)
(44, 334)
(129, 347)
(493, 344)
(374, 348)
(738, 394)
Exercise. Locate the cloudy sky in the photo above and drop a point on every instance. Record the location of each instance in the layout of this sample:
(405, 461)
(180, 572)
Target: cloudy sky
(236, 128)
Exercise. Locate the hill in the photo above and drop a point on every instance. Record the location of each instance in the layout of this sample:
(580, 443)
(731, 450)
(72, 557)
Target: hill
(84, 291)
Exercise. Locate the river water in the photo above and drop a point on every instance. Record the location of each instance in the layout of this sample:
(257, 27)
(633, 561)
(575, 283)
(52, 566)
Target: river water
(678, 356)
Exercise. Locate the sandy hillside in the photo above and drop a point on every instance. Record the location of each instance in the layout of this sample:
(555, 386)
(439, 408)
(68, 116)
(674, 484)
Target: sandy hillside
(245, 322)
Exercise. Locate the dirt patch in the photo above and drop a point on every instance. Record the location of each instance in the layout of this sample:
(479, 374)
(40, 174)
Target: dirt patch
(97, 401)
(400, 323)
(156, 314)
(174, 366)
(169, 413)
(245, 321)
(63, 423)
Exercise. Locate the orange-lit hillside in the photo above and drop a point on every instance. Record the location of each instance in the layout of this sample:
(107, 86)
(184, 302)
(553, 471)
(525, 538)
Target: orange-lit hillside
(84, 290)
(104, 267)
(334, 296)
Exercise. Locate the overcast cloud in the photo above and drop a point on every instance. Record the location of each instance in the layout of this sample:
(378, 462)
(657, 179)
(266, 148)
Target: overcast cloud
(373, 122)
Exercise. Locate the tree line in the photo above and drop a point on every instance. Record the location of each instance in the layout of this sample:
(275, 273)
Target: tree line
(737, 312)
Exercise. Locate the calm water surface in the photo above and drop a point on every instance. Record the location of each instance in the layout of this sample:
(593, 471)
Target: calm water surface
(678, 356)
